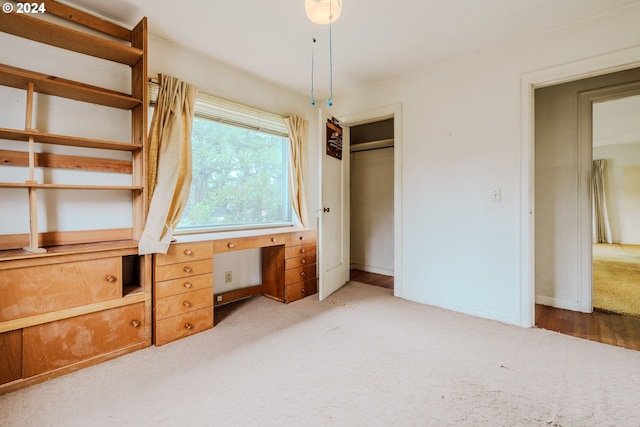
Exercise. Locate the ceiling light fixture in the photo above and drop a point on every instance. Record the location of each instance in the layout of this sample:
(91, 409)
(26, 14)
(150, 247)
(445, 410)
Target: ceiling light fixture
(323, 12)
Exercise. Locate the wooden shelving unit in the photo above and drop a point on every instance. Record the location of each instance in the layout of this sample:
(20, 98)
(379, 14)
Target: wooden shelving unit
(65, 281)
(131, 53)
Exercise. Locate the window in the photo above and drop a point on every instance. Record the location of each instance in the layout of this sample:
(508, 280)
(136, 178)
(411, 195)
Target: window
(239, 167)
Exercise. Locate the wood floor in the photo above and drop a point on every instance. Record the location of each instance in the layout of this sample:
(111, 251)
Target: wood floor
(372, 278)
(607, 328)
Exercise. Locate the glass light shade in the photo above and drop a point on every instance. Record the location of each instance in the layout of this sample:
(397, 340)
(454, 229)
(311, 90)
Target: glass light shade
(323, 11)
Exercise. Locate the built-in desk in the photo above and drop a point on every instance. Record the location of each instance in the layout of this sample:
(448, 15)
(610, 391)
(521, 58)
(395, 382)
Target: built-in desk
(183, 288)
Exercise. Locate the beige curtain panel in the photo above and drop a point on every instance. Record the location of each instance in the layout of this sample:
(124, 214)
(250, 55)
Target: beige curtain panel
(169, 165)
(601, 228)
(298, 137)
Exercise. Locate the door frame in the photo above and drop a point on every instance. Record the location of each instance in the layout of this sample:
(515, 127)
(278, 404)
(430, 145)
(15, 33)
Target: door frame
(586, 100)
(590, 67)
(393, 111)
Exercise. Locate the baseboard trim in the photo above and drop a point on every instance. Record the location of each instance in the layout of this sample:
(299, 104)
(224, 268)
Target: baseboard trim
(558, 303)
(371, 269)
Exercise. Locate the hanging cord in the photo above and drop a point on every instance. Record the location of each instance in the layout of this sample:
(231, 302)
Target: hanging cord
(313, 46)
(330, 100)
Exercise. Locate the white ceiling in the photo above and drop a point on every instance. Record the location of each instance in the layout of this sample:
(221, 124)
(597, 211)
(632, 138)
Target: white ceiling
(374, 40)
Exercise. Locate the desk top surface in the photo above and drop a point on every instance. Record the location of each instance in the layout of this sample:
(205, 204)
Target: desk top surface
(221, 235)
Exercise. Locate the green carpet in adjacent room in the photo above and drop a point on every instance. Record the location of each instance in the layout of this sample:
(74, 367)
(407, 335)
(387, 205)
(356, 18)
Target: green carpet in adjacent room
(616, 278)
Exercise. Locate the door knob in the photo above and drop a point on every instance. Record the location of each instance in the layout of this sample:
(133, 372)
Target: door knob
(326, 209)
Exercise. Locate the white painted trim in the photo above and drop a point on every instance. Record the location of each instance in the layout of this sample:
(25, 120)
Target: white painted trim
(585, 150)
(558, 303)
(584, 229)
(391, 111)
(589, 67)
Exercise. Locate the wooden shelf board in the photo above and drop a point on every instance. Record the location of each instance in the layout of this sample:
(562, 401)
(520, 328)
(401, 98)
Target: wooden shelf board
(51, 85)
(72, 141)
(69, 186)
(88, 20)
(57, 247)
(56, 161)
(36, 29)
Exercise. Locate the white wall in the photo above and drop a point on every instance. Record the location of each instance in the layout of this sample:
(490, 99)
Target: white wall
(622, 189)
(461, 137)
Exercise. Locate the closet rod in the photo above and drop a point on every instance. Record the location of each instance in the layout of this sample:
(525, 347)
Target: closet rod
(372, 145)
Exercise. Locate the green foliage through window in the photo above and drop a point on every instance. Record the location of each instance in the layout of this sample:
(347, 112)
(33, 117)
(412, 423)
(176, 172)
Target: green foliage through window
(239, 177)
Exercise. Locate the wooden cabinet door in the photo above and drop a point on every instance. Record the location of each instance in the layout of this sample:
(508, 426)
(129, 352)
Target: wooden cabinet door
(46, 288)
(65, 342)
(10, 356)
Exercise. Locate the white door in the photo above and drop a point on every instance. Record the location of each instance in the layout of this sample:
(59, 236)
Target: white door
(333, 233)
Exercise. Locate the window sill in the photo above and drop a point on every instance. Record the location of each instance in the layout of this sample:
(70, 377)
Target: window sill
(229, 234)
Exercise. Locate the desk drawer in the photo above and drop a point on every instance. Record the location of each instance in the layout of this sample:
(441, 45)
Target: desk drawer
(183, 303)
(301, 237)
(296, 251)
(300, 290)
(185, 269)
(46, 288)
(182, 285)
(300, 261)
(183, 325)
(299, 274)
(240, 243)
(184, 252)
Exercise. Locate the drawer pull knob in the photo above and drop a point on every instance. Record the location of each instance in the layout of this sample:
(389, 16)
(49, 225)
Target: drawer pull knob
(111, 279)
(304, 261)
(188, 326)
(135, 323)
(187, 285)
(273, 239)
(303, 290)
(186, 304)
(231, 245)
(188, 252)
(188, 270)
(303, 250)
(301, 237)
(303, 274)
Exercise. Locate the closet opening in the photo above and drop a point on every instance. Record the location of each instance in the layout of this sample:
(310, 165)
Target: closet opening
(372, 203)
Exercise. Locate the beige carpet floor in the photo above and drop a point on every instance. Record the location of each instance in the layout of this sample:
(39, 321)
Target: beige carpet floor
(360, 358)
(616, 278)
